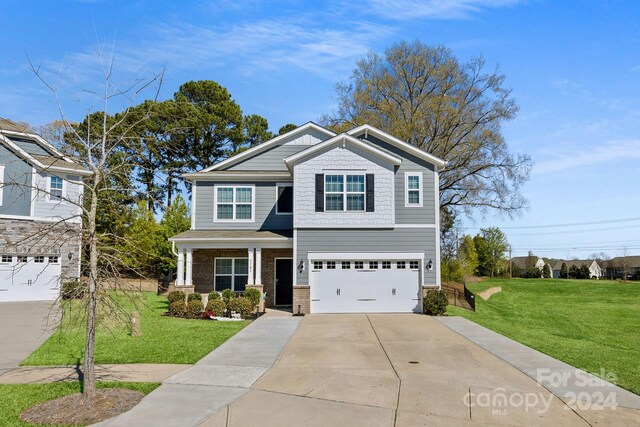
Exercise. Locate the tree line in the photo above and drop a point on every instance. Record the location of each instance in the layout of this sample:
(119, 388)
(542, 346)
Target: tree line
(481, 255)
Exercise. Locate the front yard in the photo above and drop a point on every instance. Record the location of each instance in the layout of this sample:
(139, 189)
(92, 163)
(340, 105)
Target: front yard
(163, 340)
(590, 324)
(14, 398)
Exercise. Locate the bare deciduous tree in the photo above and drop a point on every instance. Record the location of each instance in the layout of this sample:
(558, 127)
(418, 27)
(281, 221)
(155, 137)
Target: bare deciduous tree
(102, 149)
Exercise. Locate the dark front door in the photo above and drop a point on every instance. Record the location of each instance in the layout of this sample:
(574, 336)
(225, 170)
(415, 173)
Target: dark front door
(284, 281)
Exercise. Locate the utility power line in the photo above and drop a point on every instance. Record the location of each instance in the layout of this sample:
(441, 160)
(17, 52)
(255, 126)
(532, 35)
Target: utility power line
(571, 224)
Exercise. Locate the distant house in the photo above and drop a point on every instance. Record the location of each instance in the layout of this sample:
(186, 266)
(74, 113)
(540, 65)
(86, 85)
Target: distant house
(595, 269)
(519, 265)
(618, 266)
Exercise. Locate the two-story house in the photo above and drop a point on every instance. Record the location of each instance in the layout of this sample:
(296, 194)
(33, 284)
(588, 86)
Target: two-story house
(321, 222)
(40, 220)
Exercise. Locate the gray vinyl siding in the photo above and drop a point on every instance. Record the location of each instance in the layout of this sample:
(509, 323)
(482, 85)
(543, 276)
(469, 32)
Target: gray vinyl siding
(16, 193)
(265, 208)
(410, 163)
(270, 160)
(366, 240)
(68, 209)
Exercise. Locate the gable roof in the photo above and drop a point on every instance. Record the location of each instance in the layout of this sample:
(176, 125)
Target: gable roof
(631, 260)
(574, 262)
(421, 154)
(268, 144)
(56, 162)
(344, 139)
(521, 261)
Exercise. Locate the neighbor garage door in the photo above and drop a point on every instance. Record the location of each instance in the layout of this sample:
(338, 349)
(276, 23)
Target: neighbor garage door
(29, 278)
(351, 285)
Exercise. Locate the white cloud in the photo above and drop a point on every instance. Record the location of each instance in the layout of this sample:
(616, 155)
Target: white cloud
(434, 9)
(580, 157)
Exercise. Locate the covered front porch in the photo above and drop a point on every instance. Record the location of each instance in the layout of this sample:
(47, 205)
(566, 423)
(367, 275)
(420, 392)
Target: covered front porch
(214, 260)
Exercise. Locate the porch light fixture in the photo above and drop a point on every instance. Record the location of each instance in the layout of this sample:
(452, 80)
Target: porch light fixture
(301, 266)
(70, 255)
(429, 265)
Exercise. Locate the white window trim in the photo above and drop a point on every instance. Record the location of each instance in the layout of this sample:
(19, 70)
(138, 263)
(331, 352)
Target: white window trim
(406, 190)
(215, 203)
(233, 273)
(2, 261)
(344, 191)
(64, 189)
(1, 183)
(283, 184)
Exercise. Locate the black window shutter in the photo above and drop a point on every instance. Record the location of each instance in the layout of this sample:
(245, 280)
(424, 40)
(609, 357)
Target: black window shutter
(370, 193)
(319, 192)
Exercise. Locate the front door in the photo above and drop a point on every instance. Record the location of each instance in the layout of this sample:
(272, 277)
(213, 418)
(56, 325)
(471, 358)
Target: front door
(284, 281)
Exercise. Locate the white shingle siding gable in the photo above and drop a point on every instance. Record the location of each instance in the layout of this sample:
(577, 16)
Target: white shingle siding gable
(339, 159)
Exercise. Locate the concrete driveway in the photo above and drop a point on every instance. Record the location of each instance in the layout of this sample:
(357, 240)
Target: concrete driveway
(396, 370)
(24, 326)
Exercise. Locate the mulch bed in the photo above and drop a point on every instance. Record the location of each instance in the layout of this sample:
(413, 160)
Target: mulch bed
(74, 409)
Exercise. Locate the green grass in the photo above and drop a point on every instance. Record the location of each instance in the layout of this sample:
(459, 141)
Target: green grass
(589, 324)
(163, 340)
(15, 398)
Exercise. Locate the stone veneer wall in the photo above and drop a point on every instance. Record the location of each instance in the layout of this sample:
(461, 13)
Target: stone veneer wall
(25, 237)
(302, 298)
(203, 264)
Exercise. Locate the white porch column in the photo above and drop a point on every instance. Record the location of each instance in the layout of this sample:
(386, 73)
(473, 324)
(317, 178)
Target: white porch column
(188, 280)
(250, 280)
(258, 266)
(180, 272)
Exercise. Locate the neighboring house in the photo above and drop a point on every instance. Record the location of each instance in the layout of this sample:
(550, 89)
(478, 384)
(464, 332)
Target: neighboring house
(519, 263)
(39, 226)
(616, 267)
(322, 222)
(595, 270)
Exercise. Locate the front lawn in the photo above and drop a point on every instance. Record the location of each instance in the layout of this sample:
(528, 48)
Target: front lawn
(164, 339)
(589, 324)
(15, 398)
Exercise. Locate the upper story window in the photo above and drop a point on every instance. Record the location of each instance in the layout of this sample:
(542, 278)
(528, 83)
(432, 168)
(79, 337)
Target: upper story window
(413, 189)
(344, 192)
(234, 203)
(56, 185)
(284, 202)
(6, 259)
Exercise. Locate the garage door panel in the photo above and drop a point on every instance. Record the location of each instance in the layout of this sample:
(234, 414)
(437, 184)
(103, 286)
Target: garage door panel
(367, 290)
(29, 281)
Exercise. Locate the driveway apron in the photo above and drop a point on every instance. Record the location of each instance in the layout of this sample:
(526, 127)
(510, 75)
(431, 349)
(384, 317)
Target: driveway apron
(24, 326)
(191, 396)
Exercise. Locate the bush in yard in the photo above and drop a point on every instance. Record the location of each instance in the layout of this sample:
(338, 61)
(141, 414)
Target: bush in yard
(253, 295)
(175, 296)
(213, 295)
(194, 297)
(435, 302)
(178, 309)
(74, 289)
(194, 309)
(217, 306)
(228, 295)
(241, 305)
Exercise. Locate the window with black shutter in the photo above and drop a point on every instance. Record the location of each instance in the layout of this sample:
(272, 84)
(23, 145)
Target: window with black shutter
(319, 192)
(370, 193)
(285, 199)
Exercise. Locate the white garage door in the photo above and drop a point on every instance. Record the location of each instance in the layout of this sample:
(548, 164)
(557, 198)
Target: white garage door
(365, 286)
(29, 278)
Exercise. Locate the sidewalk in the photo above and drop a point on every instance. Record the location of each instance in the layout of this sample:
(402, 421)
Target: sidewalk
(561, 379)
(193, 395)
(139, 372)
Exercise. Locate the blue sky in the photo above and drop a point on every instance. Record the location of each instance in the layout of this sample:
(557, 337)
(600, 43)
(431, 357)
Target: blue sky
(574, 67)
